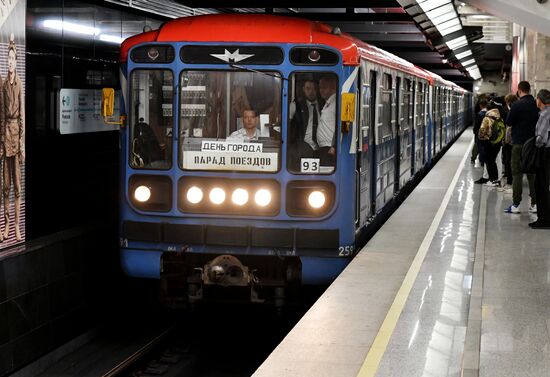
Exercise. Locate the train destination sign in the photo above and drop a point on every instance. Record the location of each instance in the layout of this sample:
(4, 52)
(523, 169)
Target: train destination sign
(240, 161)
(231, 147)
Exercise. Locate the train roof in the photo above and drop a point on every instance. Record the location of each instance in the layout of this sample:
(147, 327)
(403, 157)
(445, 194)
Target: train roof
(262, 28)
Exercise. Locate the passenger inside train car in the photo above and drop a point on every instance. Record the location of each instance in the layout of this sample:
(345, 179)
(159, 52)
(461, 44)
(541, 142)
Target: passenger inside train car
(312, 119)
(151, 110)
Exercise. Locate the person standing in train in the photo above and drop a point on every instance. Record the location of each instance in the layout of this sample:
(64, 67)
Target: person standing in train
(542, 166)
(326, 132)
(522, 118)
(13, 139)
(304, 122)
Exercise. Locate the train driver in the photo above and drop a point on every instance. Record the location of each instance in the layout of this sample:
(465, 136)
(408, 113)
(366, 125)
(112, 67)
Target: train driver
(249, 131)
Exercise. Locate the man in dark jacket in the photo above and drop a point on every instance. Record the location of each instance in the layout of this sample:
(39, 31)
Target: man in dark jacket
(303, 126)
(522, 118)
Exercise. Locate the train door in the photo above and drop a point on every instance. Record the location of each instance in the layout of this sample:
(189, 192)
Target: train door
(435, 117)
(397, 110)
(366, 145)
(429, 123)
(406, 124)
(419, 127)
(385, 153)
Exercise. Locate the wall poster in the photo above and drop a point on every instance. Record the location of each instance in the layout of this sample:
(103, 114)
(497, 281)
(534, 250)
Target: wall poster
(12, 122)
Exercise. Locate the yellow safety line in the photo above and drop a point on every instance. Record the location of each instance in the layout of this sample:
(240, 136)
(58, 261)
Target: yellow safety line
(376, 352)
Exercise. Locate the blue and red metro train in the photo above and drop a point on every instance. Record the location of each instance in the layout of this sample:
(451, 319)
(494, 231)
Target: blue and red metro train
(222, 194)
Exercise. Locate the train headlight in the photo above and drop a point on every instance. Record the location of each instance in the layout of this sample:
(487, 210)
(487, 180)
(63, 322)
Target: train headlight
(142, 194)
(310, 198)
(150, 192)
(194, 195)
(240, 197)
(316, 199)
(262, 197)
(217, 195)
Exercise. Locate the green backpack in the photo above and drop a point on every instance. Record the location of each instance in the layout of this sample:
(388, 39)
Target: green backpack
(498, 130)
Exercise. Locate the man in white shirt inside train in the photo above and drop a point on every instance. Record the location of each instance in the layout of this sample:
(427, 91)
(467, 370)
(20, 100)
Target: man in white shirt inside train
(249, 131)
(326, 135)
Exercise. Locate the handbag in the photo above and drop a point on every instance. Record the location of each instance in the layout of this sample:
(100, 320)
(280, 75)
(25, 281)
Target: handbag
(528, 156)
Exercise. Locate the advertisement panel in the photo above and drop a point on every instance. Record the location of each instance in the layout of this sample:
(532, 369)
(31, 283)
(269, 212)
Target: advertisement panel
(12, 122)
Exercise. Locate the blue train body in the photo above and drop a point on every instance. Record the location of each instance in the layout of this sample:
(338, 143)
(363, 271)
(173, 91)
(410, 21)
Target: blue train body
(291, 244)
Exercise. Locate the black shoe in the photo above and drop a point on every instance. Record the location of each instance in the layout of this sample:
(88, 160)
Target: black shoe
(481, 180)
(540, 225)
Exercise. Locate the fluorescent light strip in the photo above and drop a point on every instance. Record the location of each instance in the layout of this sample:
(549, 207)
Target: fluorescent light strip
(441, 11)
(428, 5)
(464, 54)
(448, 30)
(69, 26)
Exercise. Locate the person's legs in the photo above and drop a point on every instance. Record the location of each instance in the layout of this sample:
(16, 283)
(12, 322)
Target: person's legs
(507, 157)
(8, 166)
(517, 175)
(542, 182)
(532, 192)
(491, 152)
(474, 152)
(17, 194)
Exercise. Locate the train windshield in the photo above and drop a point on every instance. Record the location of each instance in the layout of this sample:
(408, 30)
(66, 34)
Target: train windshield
(230, 120)
(151, 119)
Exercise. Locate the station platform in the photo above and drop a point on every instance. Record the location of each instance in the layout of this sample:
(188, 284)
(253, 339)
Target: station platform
(449, 286)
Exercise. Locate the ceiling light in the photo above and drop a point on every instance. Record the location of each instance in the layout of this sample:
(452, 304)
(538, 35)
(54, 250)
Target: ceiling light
(428, 5)
(437, 12)
(448, 30)
(458, 42)
(464, 54)
(69, 26)
(468, 62)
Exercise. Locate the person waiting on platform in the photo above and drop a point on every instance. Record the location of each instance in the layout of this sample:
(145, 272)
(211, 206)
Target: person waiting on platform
(489, 148)
(483, 103)
(326, 131)
(507, 145)
(522, 118)
(249, 131)
(542, 166)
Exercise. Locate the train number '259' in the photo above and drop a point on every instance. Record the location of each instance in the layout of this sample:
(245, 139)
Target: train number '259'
(346, 251)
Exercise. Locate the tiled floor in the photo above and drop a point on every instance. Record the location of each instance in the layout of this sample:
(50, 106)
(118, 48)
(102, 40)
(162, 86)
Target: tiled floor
(335, 336)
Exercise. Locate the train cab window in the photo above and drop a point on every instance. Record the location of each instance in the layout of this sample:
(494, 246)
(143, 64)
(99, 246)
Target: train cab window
(230, 120)
(151, 119)
(312, 123)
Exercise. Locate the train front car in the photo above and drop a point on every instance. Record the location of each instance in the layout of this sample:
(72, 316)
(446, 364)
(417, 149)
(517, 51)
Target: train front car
(231, 188)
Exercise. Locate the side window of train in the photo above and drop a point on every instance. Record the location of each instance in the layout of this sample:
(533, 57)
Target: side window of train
(151, 119)
(368, 84)
(385, 121)
(407, 103)
(312, 123)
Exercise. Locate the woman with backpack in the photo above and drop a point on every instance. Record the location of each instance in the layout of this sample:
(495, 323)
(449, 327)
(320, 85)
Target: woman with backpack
(490, 136)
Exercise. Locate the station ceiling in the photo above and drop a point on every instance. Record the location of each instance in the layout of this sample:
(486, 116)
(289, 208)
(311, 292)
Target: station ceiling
(394, 25)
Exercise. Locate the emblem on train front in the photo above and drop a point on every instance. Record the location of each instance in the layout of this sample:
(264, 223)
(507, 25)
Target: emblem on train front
(232, 57)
